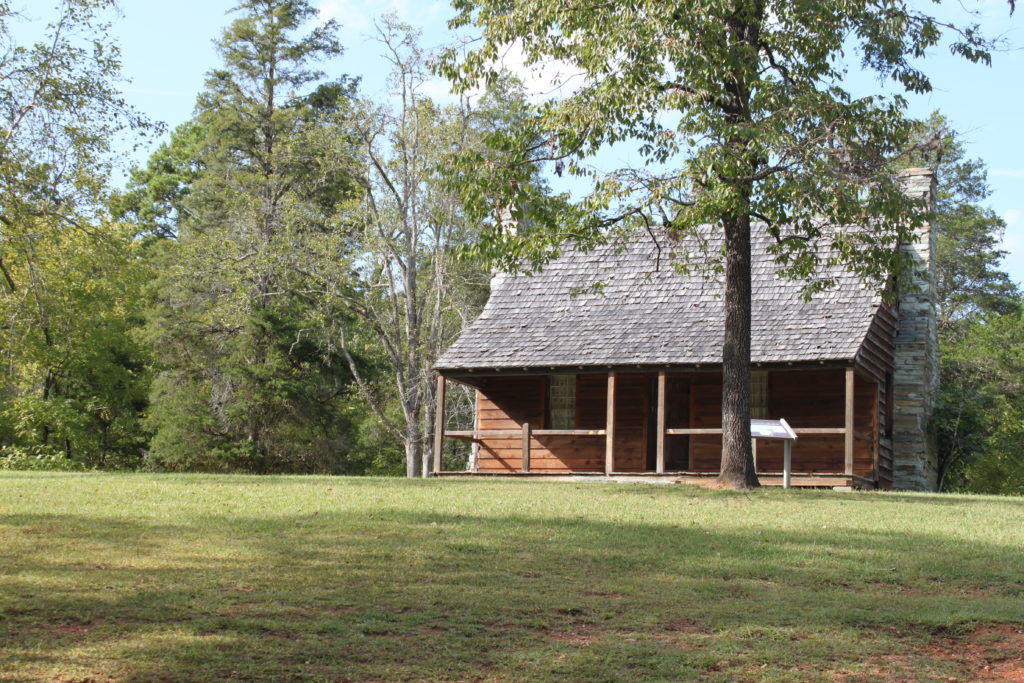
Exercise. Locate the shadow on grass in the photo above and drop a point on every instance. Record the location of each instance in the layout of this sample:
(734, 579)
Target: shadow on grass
(390, 595)
(659, 490)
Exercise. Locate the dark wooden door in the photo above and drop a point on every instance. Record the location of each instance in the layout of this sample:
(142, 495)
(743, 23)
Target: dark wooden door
(677, 416)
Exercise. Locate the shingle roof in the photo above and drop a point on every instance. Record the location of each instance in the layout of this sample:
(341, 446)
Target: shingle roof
(651, 315)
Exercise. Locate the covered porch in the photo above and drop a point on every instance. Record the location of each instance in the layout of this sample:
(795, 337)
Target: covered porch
(665, 424)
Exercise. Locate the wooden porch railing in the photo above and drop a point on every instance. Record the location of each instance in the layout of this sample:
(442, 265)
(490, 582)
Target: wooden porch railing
(478, 435)
(881, 450)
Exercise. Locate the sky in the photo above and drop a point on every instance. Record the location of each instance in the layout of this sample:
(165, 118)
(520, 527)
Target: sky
(168, 47)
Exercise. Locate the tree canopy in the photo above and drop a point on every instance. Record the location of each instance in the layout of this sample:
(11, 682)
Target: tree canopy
(740, 112)
(72, 382)
(271, 288)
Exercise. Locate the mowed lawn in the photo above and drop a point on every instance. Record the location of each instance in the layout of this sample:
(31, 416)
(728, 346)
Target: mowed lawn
(166, 577)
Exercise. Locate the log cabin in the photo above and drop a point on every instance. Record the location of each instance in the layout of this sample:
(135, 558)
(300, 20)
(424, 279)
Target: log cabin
(624, 379)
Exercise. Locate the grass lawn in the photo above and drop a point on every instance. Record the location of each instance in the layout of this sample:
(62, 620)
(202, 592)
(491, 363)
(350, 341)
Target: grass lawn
(167, 577)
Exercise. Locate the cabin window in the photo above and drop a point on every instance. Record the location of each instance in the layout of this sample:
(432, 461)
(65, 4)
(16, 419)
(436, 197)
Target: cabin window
(759, 394)
(562, 402)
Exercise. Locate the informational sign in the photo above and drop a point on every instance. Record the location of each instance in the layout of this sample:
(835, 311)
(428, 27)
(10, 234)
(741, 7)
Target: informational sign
(776, 429)
(771, 429)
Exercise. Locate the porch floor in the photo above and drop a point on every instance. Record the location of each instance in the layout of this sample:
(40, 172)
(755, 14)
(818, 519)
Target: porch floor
(797, 479)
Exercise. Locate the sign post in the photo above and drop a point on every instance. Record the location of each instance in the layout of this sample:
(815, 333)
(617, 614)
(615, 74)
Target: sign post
(777, 429)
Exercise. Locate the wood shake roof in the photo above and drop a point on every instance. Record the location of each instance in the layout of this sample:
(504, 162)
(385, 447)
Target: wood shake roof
(646, 314)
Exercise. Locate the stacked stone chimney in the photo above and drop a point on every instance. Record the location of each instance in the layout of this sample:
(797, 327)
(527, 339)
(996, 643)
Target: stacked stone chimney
(916, 373)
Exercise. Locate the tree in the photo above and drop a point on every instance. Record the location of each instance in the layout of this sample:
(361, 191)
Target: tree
(409, 294)
(245, 380)
(980, 416)
(978, 321)
(970, 282)
(72, 376)
(739, 111)
(75, 377)
(156, 199)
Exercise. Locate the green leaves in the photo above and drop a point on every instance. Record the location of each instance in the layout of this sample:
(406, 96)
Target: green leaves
(75, 379)
(72, 381)
(716, 96)
(247, 373)
(981, 405)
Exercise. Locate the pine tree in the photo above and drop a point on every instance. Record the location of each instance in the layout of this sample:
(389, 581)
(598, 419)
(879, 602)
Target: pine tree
(244, 381)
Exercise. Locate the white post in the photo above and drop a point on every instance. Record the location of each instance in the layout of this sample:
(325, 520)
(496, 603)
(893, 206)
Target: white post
(787, 462)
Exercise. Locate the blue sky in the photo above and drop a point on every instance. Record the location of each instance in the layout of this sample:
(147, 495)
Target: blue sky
(168, 47)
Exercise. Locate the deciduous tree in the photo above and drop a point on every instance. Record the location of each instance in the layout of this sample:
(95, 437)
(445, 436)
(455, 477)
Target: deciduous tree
(740, 112)
(410, 294)
(71, 376)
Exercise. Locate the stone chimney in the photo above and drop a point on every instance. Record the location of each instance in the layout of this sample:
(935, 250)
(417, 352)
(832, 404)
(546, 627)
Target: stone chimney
(916, 374)
(509, 225)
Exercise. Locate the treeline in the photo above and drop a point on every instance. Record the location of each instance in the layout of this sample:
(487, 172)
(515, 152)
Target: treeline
(269, 291)
(979, 420)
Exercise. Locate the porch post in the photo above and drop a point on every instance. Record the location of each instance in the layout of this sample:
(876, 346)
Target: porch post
(659, 466)
(526, 447)
(609, 428)
(848, 431)
(438, 423)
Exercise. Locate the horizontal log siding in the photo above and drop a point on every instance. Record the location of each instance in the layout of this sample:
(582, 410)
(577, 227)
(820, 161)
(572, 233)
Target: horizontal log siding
(885, 463)
(505, 402)
(631, 395)
(805, 398)
(706, 413)
(876, 358)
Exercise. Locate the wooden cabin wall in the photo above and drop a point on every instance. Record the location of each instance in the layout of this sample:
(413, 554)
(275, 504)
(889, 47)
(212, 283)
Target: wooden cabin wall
(817, 398)
(706, 413)
(865, 419)
(805, 398)
(677, 416)
(876, 359)
(506, 402)
(632, 393)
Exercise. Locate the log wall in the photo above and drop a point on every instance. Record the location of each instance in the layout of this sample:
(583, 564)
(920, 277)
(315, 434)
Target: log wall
(811, 398)
(876, 359)
(506, 402)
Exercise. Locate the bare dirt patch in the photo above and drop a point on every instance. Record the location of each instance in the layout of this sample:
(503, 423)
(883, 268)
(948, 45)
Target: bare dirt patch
(431, 631)
(988, 653)
(686, 625)
(684, 634)
(73, 629)
(582, 635)
(607, 596)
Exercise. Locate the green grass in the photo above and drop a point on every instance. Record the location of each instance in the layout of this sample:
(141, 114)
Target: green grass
(161, 577)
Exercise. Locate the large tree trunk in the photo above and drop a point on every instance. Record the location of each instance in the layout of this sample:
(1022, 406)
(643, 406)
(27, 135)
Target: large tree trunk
(737, 469)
